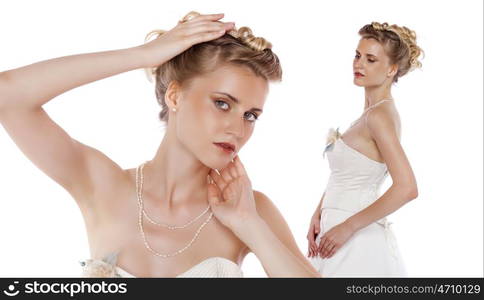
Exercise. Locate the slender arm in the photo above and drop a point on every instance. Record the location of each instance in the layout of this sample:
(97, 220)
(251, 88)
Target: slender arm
(275, 256)
(33, 85)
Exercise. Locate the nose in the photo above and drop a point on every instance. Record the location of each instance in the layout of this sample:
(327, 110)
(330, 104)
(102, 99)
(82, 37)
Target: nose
(236, 127)
(356, 63)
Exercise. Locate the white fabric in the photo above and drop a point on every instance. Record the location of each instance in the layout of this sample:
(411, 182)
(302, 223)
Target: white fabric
(353, 185)
(214, 267)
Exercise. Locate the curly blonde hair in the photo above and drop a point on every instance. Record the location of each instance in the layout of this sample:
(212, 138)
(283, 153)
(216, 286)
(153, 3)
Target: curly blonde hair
(238, 47)
(400, 44)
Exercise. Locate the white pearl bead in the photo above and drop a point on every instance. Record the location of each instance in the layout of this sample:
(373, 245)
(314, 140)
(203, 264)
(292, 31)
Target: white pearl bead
(140, 218)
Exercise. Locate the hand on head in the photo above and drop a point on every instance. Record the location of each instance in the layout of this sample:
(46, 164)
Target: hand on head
(194, 28)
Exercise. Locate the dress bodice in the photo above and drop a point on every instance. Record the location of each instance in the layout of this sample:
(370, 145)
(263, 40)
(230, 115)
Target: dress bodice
(210, 267)
(355, 179)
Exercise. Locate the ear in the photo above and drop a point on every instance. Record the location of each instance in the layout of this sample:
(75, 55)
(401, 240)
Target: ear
(393, 70)
(172, 94)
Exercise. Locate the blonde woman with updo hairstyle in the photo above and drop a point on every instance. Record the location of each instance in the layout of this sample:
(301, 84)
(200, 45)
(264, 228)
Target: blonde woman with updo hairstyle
(190, 211)
(349, 235)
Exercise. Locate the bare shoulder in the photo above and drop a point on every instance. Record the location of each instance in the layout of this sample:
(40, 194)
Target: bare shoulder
(261, 198)
(265, 207)
(383, 121)
(272, 216)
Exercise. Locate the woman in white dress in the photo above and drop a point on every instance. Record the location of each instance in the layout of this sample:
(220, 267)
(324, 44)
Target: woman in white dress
(174, 215)
(349, 235)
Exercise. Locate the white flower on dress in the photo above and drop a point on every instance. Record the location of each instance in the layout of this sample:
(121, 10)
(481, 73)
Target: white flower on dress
(333, 135)
(105, 267)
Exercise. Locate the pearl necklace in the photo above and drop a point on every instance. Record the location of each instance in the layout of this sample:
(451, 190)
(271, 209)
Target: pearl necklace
(140, 220)
(174, 227)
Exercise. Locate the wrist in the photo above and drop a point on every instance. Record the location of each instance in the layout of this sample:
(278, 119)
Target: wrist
(142, 56)
(244, 228)
(352, 224)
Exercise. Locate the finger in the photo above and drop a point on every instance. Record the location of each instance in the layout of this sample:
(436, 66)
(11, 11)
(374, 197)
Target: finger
(315, 246)
(239, 166)
(215, 24)
(313, 249)
(327, 250)
(324, 248)
(332, 252)
(207, 17)
(225, 173)
(233, 170)
(204, 27)
(219, 181)
(199, 17)
(205, 37)
(322, 252)
(311, 242)
(213, 193)
(322, 243)
(311, 238)
(320, 249)
(310, 235)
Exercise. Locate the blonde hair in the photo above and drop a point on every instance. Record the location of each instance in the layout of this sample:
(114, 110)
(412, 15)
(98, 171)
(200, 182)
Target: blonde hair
(238, 47)
(400, 44)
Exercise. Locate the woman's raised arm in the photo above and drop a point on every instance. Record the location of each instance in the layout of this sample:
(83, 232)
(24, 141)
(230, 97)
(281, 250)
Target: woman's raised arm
(23, 92)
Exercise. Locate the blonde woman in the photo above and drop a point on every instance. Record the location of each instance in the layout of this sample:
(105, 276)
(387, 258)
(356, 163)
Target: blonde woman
(190, 211)
(349, 235)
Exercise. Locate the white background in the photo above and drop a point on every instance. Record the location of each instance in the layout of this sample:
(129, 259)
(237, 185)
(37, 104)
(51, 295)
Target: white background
(440, 233)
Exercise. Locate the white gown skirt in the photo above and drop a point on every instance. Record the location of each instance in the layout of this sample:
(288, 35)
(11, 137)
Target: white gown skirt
(370, 252)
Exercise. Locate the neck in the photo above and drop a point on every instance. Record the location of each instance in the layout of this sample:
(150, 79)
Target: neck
(374, 94)
(175, 177)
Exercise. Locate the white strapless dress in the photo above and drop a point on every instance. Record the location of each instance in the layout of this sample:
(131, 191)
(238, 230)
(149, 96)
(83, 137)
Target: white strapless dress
(213, 267)
(353, 185)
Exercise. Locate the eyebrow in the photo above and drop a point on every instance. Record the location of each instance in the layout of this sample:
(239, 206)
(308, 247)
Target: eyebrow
(367, 54)
(237, 101)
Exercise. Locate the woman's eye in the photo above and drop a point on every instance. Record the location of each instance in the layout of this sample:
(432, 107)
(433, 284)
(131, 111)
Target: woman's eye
(222, 104)
(250, 116)
(371, 60)
(357, 56)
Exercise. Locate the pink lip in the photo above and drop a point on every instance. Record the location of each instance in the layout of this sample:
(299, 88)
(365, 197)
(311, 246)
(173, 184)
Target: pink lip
(226, 147)
(358, 74)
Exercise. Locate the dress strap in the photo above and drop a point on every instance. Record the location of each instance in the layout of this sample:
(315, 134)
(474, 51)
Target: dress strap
(366, 112)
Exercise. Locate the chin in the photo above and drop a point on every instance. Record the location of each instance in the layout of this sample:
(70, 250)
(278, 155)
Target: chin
(216, 162)
(358, 82)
